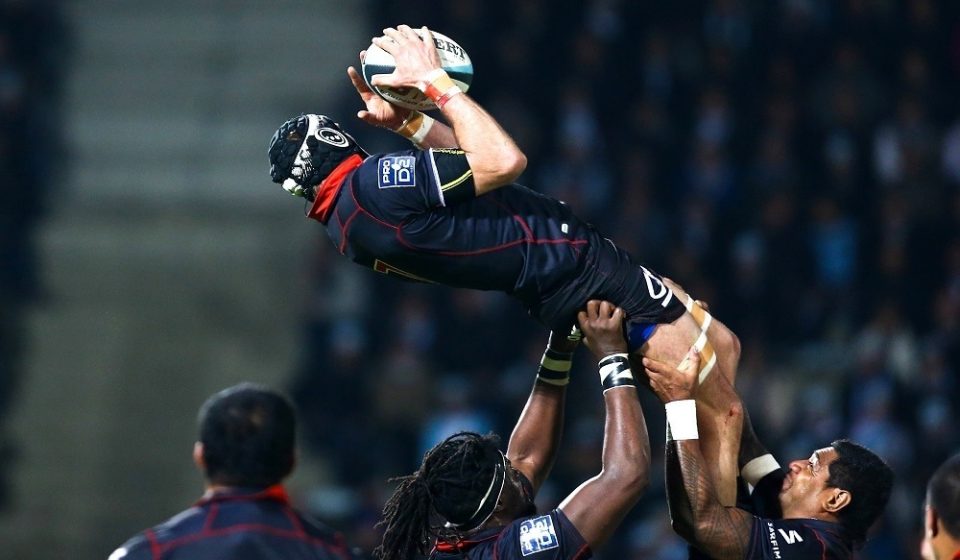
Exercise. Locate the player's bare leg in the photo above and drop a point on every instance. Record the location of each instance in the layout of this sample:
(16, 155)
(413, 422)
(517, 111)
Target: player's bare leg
(719, 410)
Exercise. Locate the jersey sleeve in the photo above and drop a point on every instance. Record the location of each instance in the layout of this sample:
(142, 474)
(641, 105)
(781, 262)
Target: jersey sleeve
(765, 497)
(550, 536)
(453, 176)
(396, 185)
(786, 539)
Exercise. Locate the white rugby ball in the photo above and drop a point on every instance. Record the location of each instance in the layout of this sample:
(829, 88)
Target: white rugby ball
(453, 59)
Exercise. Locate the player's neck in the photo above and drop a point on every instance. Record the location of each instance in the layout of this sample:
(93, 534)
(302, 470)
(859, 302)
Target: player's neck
(806, 513)
(211, 489)
(954, 546)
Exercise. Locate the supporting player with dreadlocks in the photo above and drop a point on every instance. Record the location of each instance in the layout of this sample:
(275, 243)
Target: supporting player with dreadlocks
(470, 500)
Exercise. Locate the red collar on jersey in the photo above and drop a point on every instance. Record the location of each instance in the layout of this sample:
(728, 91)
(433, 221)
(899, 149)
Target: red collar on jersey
(276, 492)
(328, 189)
(467, 544)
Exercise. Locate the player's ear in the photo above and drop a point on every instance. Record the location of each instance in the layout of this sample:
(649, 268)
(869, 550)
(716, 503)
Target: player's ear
(837, 499)
(198, 457)
(931, 522)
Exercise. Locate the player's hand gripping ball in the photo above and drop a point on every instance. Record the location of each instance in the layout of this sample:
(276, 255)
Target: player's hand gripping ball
(453, 59)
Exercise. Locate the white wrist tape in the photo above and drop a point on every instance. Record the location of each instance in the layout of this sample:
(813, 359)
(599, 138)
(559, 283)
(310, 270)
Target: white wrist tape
(682, 420)
(758, 468)
(421, 133)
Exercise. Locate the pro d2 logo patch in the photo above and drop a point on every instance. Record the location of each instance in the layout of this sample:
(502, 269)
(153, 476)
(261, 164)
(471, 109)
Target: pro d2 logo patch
(396, 171)
(537, 534)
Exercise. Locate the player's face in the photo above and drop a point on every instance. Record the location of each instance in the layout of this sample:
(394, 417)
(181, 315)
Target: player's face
(805, 482)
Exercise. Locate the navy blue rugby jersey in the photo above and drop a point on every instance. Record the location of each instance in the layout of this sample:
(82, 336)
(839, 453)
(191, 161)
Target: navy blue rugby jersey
(238, 524)
(542, 537)
(774, 538)
(792, 539)
(413, 214)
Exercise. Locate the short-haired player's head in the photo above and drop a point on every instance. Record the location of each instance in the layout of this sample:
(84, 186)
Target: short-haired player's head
(305, 150)
(868, 479)
(247, 437)
(845, 481)
(942, 518)
(464, 481)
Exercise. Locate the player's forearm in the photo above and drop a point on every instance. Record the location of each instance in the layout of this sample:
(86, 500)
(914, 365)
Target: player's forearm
(695, 511)
(536, 437)
(626, 444)
(598, 506)
(494, 157)
(440, 136)
(750, 446)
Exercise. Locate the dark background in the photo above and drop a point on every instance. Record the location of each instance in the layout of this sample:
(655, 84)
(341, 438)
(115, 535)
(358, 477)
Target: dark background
(794, 163)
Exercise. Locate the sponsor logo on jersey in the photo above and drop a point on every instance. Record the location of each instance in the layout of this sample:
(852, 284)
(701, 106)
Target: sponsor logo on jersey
(537, 534)
(396, 171)
(774, 544)
(792, 537)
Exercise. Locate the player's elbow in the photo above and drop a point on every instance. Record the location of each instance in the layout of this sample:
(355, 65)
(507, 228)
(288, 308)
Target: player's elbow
(628, 479)
(511, 163)
(516, 164)
(498, 171)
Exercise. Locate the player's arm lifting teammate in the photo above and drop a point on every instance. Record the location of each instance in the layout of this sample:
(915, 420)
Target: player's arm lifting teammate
(598, 506)
(816, 508)
(449, 497)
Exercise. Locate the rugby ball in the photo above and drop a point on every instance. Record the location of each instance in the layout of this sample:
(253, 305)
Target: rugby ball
(453, 59)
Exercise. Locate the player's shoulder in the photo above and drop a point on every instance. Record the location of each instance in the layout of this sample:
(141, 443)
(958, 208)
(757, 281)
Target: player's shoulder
(801, 539)
(320, 531)
(548, 535)
(140, 545)
(137, 548)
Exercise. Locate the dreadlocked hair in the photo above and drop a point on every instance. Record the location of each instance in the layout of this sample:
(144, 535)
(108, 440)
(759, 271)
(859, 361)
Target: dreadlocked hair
(450, 483)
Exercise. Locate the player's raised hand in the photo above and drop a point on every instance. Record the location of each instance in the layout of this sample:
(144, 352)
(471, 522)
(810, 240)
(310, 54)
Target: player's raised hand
(415, 58)
(673, 383)
(378, 111)
(602, 325)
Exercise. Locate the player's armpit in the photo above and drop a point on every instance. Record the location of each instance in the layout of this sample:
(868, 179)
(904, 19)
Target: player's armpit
(454, 177)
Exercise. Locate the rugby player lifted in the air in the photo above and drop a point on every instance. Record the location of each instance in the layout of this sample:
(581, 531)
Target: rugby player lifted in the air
(448, 212)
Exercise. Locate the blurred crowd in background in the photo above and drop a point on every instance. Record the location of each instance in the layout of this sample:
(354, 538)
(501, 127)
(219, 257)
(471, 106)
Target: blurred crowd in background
(32, 63)
(795, 163)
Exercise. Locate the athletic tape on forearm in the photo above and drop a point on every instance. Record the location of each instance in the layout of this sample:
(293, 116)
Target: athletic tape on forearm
(682, 420)
(758, 468)
(415, 127)
(555, 367)
(440, 87)
(615, 372)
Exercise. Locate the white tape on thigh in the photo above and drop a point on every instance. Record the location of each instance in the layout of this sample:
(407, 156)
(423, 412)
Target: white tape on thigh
(702, 340)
